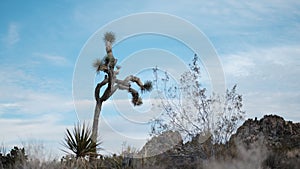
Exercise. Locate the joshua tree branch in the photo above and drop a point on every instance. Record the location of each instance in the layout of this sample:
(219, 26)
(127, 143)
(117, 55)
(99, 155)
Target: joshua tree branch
(97, 89)
(107, 91)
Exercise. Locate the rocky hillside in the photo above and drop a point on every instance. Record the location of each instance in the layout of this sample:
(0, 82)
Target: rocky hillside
(277, 139)
(270, 143)
(276, 132)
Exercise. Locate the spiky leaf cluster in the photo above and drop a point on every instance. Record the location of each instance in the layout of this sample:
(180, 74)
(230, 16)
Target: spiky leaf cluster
(110, 37)
(147, 86)
(79, 141)
(97, 65)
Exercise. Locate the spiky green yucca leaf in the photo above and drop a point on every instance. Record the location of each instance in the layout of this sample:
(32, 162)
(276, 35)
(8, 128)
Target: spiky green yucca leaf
(110, 37)
(79, 141)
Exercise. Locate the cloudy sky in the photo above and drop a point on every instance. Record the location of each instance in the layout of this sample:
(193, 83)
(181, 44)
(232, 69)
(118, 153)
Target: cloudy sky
(257, 42)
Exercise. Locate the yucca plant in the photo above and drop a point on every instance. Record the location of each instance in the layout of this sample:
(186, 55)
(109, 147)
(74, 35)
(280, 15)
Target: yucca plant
(79, 141)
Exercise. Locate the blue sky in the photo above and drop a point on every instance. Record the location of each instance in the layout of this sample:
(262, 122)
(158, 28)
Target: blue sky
(258, 43)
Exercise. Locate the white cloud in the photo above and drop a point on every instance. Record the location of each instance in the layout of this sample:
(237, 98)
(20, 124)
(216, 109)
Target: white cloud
(53, 59)
(267, 77)
(12, 36)
(34, 102)
(237, 65)
(38, 126)
(259, 62)
(285, 104)
(4, 105)
(39, 102)
(25, 93)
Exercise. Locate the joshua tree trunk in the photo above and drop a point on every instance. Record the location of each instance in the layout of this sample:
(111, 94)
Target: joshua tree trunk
(107, 65)
(96, 121)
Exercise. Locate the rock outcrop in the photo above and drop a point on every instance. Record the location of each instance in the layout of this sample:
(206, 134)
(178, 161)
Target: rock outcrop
(160, 144)
(270, 143)
(279, 139)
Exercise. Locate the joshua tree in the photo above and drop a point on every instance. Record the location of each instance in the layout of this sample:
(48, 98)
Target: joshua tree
(107, 65)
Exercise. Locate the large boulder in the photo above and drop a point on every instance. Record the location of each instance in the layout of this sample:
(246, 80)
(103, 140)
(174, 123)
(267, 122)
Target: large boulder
(160, 144)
